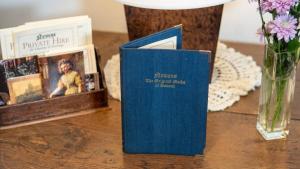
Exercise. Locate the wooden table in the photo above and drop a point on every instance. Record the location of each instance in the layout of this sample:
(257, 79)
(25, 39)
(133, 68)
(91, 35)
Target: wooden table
(93, 141)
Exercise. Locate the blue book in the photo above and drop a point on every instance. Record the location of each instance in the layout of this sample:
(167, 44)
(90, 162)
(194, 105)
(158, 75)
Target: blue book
(164, 93)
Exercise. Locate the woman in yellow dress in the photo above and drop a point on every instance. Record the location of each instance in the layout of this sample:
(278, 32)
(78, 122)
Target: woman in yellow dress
(70, 80)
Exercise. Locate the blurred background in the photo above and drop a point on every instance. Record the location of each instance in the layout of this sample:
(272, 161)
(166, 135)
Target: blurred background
(240, 19)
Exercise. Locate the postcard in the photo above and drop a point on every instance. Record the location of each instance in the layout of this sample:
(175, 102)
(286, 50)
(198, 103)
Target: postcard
(3, 86)
(6, 42)
(88, 56)
(39, 37)
(20, 67)
(92, 82)
(62, 74)
(83, 26)
(25, 88)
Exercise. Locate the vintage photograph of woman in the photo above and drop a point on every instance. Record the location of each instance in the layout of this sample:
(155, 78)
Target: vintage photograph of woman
(70, 79)
(63, 74)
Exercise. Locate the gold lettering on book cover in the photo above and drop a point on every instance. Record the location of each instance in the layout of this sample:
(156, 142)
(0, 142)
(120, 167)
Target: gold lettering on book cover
(165, 80)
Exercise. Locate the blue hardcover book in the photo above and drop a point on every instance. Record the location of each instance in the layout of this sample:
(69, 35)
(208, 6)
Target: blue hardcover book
(164, 95)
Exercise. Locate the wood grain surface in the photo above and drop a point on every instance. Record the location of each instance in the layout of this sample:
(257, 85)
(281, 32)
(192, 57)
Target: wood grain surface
(93, 141)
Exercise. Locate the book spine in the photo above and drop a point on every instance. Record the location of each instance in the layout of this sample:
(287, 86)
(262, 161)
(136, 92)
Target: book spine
(122, 53)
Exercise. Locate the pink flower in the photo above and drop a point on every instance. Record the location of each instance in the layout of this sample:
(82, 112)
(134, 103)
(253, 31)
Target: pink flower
(282, 6)
(267, 5)
(284, 26)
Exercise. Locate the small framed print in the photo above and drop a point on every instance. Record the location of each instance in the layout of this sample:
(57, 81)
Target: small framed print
(25, 88)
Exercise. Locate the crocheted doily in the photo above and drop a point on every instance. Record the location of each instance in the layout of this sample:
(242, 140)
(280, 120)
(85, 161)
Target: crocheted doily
(234, 75)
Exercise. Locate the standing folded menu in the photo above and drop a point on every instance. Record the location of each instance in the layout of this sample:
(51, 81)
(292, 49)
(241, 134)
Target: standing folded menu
(164, 95)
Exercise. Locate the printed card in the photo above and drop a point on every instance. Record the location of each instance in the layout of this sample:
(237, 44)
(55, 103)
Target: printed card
(36, 38)
(25, 88)
(88, 57)
(20, 67)
(62, 74)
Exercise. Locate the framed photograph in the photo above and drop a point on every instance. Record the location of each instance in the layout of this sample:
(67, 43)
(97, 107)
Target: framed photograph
(63, 74)
(25, 88)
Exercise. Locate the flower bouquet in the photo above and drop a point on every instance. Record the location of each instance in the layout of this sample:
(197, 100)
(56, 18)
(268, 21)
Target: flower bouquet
(281, 34)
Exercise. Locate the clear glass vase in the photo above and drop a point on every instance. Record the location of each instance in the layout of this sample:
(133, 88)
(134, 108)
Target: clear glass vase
(276, 93)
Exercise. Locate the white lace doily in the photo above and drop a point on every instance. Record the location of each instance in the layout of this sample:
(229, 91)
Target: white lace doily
(234, 75)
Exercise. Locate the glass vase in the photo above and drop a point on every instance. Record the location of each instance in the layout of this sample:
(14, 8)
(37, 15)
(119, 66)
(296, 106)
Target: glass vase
(276, 93)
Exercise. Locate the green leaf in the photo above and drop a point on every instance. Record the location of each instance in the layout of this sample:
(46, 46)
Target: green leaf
(293, 45)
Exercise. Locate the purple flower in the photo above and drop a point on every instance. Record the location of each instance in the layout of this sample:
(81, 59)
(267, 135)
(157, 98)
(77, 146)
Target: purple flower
(284, 26)
(282, 6)
(267, 5)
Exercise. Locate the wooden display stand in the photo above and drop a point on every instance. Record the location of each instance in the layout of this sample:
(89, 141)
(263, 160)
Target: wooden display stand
(59, 106)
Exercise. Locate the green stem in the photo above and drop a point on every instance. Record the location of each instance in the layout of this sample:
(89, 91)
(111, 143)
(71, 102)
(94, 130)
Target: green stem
(280, 90)
(267, 110)
(269, 89)
(263, 22)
